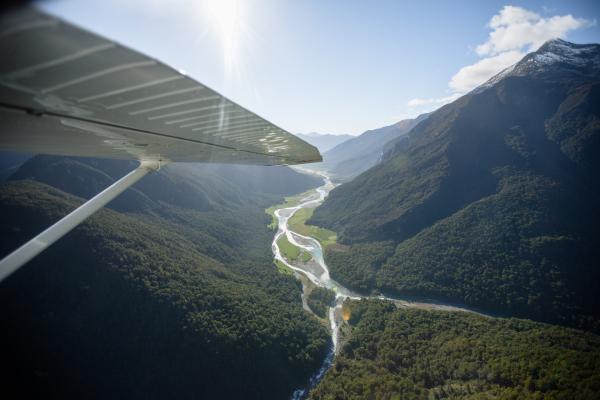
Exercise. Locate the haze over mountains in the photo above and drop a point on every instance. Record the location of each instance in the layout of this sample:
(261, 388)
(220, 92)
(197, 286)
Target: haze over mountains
(356, 155)
(491, 201)
(323, 141)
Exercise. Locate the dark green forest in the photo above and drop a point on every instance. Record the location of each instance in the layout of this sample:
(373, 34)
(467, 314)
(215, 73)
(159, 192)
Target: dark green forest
(490, 202)
(319, 300)
(163, 294)
(418, 354)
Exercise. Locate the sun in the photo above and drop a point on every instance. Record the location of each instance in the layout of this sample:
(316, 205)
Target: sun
(227, 16)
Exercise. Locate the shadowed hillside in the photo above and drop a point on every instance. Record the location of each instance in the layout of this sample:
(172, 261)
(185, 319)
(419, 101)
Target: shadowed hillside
(491, 201)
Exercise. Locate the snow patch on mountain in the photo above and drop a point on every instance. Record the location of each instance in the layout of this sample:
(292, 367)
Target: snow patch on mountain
(553, 53)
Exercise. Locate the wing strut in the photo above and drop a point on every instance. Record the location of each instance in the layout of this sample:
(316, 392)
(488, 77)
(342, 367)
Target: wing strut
(26, 252)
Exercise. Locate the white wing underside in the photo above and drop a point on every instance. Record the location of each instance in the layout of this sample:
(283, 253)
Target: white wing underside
(66, 91)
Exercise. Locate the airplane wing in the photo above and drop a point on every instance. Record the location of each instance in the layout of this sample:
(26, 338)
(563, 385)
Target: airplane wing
(67, 91)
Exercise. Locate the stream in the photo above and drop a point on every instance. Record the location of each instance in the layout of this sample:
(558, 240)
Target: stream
(317, 272)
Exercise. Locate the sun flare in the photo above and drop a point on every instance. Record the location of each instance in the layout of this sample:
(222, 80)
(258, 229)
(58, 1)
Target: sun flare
(227, 16)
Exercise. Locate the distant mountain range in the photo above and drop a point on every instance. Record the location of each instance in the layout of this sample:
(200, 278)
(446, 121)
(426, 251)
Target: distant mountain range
(356, 155)
(323, 141)
(491, 201)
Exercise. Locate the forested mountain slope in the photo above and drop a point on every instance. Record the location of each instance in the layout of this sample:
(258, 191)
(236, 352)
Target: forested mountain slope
(413, 354)
(491, 201)
(170, 292)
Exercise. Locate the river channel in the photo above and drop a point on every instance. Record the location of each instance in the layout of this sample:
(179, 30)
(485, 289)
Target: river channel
(317, 272)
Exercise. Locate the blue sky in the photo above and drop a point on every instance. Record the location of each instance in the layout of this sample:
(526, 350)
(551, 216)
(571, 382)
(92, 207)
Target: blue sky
(335, 66)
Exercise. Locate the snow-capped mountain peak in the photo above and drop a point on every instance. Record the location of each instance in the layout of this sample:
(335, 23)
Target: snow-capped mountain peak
(554, 54)
(558, 50)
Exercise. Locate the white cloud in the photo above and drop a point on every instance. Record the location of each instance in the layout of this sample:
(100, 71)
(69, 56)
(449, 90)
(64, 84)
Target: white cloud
(516, 28)
(416, 102)
(438, 101)
(419, 106)
(473, 75)
(515, 31)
